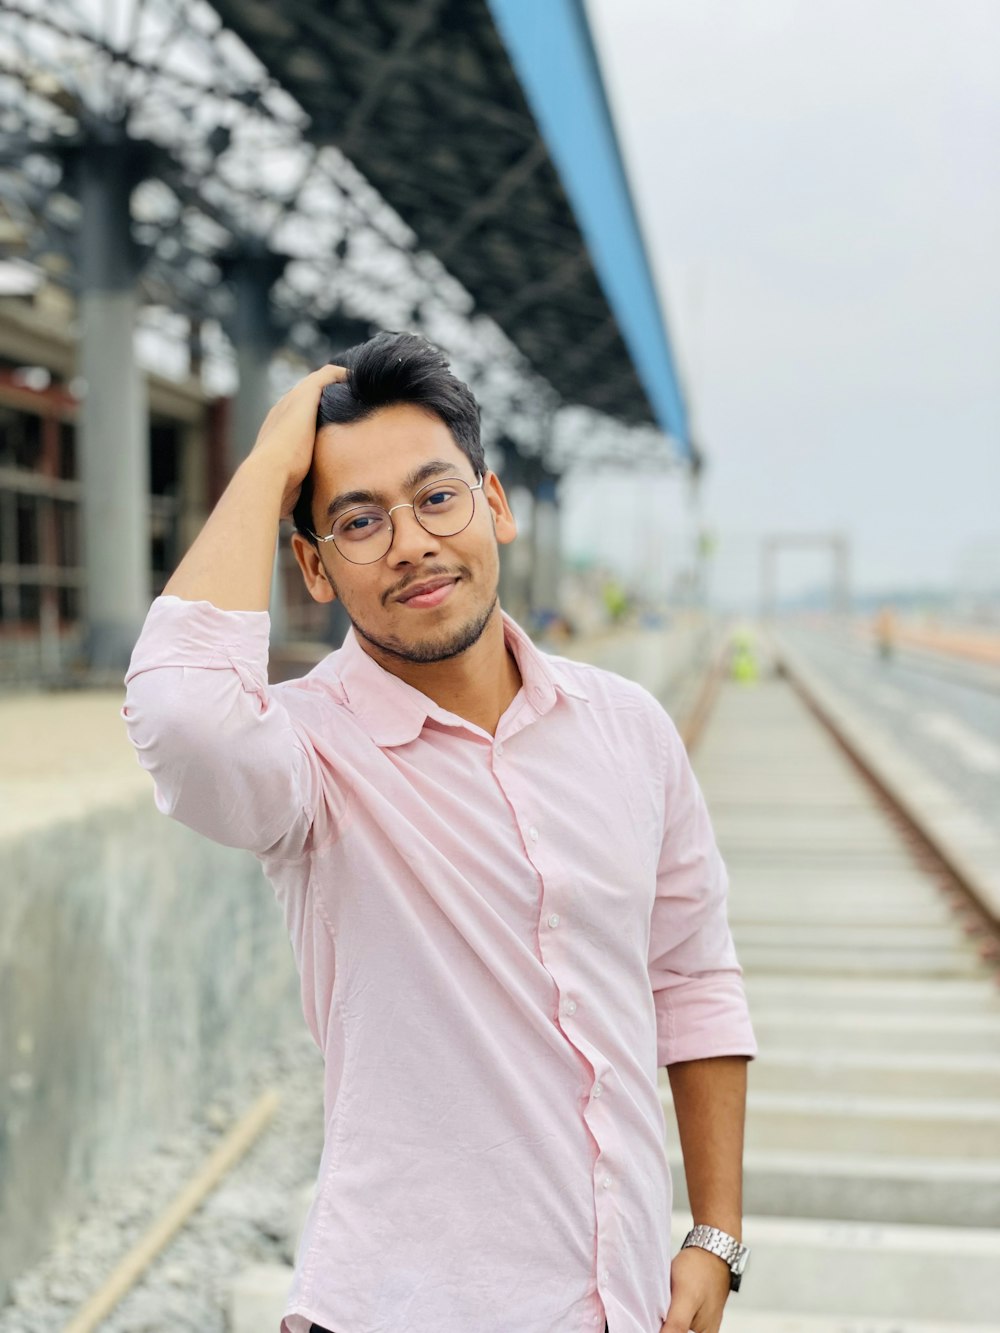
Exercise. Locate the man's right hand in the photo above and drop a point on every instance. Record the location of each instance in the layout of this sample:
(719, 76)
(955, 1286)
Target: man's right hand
(288, 433)
(231, 561)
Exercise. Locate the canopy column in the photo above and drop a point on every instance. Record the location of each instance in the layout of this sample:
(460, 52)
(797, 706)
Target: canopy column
(114, 414)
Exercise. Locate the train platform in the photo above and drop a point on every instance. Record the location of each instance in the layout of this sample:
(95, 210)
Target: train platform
(872, 1166)
(861, 905)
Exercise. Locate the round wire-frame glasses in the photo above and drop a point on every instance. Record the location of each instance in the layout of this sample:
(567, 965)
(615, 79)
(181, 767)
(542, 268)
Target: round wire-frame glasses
(364, 529)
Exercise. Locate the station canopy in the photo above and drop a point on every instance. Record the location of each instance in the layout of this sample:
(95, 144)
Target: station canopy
(398, 166)
(444, 115)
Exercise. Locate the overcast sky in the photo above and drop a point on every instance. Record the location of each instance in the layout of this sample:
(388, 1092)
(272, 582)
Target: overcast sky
(819, 191)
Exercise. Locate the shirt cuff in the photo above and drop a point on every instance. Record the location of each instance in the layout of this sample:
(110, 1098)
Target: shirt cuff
(703, 1017)
(177, 632)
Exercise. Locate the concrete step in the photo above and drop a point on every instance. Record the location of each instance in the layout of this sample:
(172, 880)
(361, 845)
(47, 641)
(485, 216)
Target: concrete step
(854, 1187)
(824, 879)
(802, 1069)
(802, 1266)
(820, 911)
(826, 994)
(850, 1124)
(807, 828)
(806, 859)
(897, 1032)
(850, 933)
(257, 1298)
(808, 838)
(773, 1321)
(956, 1192)
(792, 960)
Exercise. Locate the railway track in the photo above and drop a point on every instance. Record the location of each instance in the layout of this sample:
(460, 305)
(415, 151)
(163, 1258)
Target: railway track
(867, 932)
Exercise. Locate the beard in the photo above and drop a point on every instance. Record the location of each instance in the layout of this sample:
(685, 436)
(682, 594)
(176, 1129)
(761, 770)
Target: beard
(446, 644)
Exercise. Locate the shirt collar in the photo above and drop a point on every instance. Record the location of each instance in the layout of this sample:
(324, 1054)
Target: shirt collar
(394, 713)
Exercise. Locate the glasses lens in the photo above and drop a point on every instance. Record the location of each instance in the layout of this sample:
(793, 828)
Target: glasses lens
(363, 535)
(444, 507)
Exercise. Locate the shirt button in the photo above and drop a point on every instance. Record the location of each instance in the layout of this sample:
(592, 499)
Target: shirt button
(554, 920)
(597, 1089)
(533, 833)
(571, 1006)
(606, 1182)
(605, 1275)
(498, 748)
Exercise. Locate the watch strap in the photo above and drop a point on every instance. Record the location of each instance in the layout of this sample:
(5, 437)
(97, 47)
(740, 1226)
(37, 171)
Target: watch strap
(727, 1247)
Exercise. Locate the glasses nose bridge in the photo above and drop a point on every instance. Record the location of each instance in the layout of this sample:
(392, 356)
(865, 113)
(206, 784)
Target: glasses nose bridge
(424, 532)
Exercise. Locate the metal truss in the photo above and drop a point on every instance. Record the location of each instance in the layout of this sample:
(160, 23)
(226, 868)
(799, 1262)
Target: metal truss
(224, 170)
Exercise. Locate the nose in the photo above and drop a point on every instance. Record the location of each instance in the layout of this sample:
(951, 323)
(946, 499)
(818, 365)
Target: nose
(411, 543)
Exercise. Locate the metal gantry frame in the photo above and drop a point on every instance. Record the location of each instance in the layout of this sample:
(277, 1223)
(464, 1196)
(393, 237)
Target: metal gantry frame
(836, 543)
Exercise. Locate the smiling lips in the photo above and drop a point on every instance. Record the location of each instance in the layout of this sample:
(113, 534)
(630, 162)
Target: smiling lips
(431, 593)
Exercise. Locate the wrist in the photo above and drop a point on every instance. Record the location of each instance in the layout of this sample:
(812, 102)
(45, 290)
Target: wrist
(733, 1226)
(261, 462)
(725, 1245)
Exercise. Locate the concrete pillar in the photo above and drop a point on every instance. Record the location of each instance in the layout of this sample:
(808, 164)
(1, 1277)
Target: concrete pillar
(546, 551)
(767, 585)
(114, 417)
(842, 578)
(516, 558)
(255, 340)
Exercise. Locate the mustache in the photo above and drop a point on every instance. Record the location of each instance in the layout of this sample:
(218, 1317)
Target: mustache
(432, 572)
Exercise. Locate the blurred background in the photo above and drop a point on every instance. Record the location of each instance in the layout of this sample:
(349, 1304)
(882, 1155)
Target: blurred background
(725, 281)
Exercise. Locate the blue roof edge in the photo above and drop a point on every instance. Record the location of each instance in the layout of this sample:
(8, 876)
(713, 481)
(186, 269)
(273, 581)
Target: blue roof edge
(552, 50)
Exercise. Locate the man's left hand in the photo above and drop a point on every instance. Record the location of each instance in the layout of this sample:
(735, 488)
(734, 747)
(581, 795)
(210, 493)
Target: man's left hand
(699, 1287)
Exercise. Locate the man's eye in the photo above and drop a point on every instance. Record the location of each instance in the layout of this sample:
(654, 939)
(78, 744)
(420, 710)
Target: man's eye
(359, 525)
(438, 498)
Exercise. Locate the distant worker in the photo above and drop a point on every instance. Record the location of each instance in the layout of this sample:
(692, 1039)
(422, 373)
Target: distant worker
(616, 601)
(498, 873)
(743, 666)
(885, 633)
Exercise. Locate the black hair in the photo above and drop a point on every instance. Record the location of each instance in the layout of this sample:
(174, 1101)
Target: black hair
(388, 369)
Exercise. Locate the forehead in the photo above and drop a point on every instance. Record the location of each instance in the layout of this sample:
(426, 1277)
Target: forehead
(377, 453)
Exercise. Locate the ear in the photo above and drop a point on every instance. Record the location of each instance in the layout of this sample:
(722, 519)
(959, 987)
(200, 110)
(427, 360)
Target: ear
(313, 573)
(504, 523)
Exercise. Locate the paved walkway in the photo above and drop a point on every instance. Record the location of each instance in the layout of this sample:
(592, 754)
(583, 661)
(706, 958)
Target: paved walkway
(872, 1171)
(63, 756)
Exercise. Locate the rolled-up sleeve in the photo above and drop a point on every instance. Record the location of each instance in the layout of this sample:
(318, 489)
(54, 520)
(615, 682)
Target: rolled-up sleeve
(225, 756)
(701, 1007)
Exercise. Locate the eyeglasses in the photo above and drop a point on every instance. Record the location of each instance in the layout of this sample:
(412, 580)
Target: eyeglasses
(443, 508)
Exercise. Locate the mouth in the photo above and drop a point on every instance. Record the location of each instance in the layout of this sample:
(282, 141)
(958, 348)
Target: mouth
(426, 595)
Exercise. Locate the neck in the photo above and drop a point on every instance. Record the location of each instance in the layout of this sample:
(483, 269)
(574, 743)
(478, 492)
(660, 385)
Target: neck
(478, 684)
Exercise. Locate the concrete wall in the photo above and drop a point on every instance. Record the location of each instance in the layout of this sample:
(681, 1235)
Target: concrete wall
(140, 966)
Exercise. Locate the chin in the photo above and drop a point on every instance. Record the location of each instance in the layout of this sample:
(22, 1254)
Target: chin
(435, 643)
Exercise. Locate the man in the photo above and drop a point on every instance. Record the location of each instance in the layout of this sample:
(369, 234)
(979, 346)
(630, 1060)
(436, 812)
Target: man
(498, 875)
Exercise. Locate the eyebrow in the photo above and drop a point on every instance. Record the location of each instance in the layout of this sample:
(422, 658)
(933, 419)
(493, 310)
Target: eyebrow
(411, 483)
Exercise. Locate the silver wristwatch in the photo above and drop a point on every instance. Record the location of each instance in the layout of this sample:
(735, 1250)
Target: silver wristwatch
(725, 1246)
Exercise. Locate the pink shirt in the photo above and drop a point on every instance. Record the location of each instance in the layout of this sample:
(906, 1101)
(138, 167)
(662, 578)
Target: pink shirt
(499, 940)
